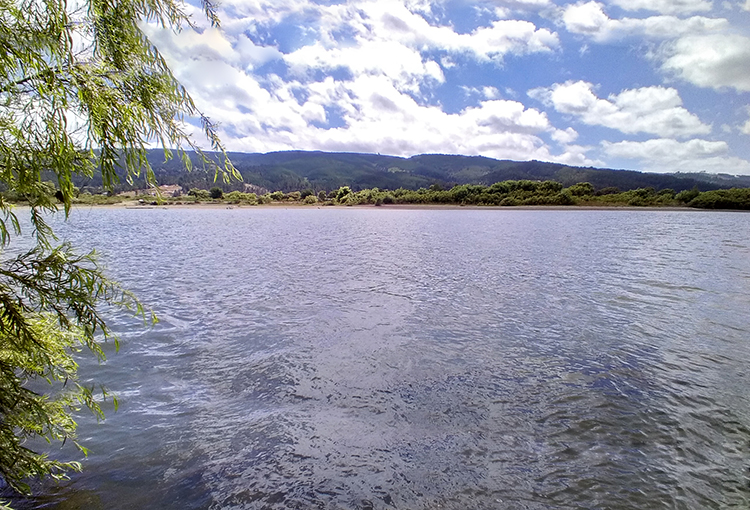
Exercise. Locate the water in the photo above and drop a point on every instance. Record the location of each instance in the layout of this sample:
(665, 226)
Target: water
(421, 359)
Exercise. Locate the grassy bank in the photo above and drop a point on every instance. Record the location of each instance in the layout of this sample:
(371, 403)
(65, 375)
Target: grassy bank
(504, 194)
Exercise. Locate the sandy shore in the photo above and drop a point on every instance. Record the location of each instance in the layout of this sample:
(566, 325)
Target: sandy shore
(218, 205)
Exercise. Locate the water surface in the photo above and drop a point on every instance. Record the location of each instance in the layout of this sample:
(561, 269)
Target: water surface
(421, 359)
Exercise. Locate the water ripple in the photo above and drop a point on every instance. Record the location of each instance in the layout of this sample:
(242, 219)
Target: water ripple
(379, 359)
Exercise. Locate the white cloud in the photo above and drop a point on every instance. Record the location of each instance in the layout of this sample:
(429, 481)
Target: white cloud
(212, 44)
(666, 155)
(376, 117)
(747, 5)
(401, 22)
(664, 6)
(481, 92)
(401, 64)
(590, 19)
(522, 4)
(368, 76)
(381, 100)
(662, 148)
(712, 61)
(566, 136)
(745, 128)
(490, 93)
(265, 11)
(392, 21)
(655, 110)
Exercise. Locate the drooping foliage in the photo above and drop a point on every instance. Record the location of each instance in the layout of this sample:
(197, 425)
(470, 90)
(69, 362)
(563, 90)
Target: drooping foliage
(82, 91)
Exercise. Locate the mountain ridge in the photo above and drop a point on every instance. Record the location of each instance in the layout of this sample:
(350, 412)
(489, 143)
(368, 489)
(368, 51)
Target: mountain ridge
(320, 170)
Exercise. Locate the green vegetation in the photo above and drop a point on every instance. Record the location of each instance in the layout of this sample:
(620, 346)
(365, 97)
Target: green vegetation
(83, 92)
(735, 198)
(506, 194)
(316, 171)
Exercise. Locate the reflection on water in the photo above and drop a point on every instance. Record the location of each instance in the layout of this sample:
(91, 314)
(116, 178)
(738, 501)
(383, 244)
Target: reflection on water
(452, 359)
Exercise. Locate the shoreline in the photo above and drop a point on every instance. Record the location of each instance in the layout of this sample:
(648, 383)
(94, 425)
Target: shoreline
(395, 207)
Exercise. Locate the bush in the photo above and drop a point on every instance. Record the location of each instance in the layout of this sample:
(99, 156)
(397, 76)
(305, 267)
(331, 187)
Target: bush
(735, 198)
(609, 190)
(234, 196)
(581, 189)
(342, 192)
(310, 199)
(216, 192)
(199, 194)
(687, 195)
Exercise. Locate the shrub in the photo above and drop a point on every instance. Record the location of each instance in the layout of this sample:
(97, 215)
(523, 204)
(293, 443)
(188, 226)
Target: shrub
(342, 192)
(581, 189)
(687, 195)
(735, 198)
(234, 196)
(609, 190)
(199, 194)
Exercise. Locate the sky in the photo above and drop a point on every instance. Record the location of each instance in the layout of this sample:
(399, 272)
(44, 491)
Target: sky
(650, 85)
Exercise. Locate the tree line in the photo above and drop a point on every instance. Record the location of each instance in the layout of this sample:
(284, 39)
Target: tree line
(506, 193)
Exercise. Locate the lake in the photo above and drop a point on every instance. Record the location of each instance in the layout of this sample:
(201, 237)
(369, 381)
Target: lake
(346, 358)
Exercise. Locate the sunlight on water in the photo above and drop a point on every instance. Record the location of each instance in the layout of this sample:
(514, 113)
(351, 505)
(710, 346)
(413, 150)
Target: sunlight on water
(376, 358)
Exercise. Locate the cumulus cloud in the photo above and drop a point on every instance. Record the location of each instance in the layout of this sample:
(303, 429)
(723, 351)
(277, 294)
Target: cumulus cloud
(397, 21)
(590, 19)
(745, 128)
(654, 110)
(566, 136)
(362, 81)
(664, 6)
(371, 76)
(522, 4)
(666, 155)
(373, 110)
(392, 21)
(713, 61)
(401, 64)
(374, 116)
(486, 92)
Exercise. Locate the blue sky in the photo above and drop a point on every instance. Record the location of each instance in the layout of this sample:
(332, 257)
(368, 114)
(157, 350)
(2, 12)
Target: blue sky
(652, 85)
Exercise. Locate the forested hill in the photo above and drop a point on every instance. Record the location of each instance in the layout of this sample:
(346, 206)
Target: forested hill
(299, 170)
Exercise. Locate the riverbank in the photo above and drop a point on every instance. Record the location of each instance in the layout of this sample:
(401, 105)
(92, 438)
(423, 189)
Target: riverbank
(416, 207)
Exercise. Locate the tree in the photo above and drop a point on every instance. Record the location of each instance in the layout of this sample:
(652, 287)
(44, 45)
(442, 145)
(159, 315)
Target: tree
(82, 90)
(342, 192)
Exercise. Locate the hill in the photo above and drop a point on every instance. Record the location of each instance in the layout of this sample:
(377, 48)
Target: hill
(299, 170)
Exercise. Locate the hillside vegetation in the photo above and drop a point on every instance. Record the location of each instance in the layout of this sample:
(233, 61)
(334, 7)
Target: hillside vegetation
(322, 171)
(505, 194)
